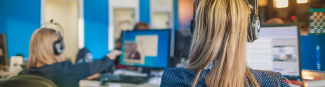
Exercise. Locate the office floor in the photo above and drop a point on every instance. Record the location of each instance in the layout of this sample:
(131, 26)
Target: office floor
(87, 83)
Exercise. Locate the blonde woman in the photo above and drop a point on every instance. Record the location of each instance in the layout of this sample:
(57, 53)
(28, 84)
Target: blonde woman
(45, 60)
(219, 39)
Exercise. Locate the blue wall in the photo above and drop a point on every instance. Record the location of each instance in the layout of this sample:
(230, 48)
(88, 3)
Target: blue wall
(96, 27)
(96, 24)
(176, 21)
(144, 11)
(19, 19)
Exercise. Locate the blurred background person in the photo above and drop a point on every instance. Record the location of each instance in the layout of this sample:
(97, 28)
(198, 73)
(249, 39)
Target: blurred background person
(141, 26)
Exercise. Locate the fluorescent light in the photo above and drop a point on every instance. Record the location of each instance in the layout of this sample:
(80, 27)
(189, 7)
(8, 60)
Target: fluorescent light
(81, 26)
(281, 3)
(262, 3)
(302, 1)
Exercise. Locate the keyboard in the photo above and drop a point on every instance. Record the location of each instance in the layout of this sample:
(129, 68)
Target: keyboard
(110, 77)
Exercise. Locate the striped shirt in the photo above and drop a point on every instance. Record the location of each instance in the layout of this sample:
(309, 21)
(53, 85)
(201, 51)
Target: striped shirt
(180, 77)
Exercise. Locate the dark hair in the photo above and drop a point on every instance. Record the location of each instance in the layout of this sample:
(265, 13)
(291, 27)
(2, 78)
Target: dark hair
(141, 26)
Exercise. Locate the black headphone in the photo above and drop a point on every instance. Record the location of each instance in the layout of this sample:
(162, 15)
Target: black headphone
(253, 29)
(58, 45)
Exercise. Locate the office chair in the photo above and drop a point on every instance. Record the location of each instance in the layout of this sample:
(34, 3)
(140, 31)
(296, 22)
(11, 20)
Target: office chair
(28, 81)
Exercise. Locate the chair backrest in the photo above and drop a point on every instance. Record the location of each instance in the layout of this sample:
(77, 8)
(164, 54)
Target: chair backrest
(28, 81)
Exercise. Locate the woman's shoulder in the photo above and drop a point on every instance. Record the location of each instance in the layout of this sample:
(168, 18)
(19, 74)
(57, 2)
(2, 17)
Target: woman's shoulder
(178, 74)
(180, 77)
(269, 78)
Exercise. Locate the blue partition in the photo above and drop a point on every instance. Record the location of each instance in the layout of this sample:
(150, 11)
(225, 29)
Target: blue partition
(96, 27)
(19, 19)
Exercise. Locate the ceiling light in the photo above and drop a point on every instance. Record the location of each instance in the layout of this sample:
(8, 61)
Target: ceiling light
(302, 1)
(281, 3)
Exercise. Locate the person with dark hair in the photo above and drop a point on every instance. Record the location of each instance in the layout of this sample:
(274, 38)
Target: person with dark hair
(141, 26)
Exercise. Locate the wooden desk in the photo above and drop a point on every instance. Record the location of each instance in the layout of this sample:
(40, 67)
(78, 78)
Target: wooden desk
(87, 83)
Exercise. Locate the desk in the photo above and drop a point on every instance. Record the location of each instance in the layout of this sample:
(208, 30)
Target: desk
(87, 83)
(2, 80)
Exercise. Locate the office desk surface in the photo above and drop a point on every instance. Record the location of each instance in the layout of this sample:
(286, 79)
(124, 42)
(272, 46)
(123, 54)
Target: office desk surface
(87, 83)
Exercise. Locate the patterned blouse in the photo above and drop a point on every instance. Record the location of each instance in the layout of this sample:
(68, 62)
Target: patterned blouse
(180, 77)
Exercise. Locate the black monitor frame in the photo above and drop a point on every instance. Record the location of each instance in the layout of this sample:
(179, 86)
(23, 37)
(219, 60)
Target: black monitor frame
(5, 50)
(155, 68)
(299, 45)
(184, 54)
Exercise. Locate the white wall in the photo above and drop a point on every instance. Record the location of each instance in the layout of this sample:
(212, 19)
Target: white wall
(65, 13)
(120, 4)
(159, 11)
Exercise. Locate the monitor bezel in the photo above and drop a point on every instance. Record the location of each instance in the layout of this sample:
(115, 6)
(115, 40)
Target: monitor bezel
(168, 59)
(5, 51)
(299, 45)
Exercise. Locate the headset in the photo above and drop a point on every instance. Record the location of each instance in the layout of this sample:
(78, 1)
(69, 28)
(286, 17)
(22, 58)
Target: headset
(253, 28)
(58, 45)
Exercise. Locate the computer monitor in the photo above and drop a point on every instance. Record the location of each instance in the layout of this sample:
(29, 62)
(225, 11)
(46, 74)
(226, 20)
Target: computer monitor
(146, 48)
(277, 49)
(3, 51)
(312, 52)
(182, 44)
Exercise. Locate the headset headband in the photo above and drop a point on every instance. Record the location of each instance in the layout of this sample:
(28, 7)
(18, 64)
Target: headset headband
(57, 25)
(196, 2)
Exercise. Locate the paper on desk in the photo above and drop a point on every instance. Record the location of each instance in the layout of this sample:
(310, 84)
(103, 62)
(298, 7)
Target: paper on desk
(155, 81)
(87, 83)
(114, 85)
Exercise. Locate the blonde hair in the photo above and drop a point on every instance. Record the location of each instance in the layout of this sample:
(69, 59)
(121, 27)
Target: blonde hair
(220, 37)
(41, 48)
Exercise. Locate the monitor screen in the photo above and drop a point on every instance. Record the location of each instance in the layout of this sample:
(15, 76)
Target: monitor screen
(145, 48)
(277, 49)
(312, 52)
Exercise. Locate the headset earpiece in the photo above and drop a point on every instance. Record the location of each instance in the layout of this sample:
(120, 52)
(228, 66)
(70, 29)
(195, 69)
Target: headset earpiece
(58, 46)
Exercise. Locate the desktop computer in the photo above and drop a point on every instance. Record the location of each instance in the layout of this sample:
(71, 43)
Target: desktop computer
(145, 48)
(312, 54)
(148, 49)
(277, 49)
(183, 42)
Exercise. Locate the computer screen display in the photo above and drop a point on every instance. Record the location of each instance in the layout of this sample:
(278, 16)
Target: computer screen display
(277, 49)
(145, 48)
(312, 52)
